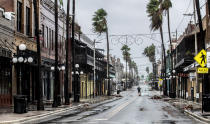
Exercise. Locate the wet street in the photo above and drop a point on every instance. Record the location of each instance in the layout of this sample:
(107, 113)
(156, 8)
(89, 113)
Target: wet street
(131, 109)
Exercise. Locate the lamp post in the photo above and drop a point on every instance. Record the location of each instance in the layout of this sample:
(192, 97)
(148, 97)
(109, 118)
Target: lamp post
(76, 76)
(21, 58)
(61, 67)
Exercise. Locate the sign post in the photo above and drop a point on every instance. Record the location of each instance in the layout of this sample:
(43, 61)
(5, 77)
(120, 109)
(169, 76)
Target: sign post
(200, 58)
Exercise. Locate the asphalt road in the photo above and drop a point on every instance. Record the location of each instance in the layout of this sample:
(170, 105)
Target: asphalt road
(131, 109)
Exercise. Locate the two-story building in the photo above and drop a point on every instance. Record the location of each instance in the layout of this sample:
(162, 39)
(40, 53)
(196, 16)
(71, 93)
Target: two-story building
(7, 49)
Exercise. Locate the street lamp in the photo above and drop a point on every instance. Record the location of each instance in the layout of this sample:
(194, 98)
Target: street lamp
(22, 47)
(21, 58)
(81, 72)
(77, 74)
(63, 68)
(174, 71)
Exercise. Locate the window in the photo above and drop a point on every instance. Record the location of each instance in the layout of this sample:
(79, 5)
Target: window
(50, 38)
(209, 7)
(28, 21)
(59, 41)
(19, 16)
(43, 37)
(53, 39)
(47, 37)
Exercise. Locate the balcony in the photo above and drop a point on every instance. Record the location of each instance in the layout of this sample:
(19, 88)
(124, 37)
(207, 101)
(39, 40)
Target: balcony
(185, 52)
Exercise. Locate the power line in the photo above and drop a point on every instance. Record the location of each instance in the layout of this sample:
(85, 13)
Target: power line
(183, 15)
(203, 5)
(132, 34)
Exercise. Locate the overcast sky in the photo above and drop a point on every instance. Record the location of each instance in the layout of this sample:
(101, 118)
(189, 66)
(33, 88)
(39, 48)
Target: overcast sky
(130, 17)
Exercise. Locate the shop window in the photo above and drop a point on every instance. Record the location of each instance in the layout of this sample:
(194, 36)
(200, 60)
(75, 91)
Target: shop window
(43, 37)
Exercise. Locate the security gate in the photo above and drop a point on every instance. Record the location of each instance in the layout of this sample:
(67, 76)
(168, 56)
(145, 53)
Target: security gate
(5, 82)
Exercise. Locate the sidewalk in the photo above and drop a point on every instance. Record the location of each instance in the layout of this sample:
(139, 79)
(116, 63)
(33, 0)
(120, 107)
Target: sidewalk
(34, 116)
(190, 108)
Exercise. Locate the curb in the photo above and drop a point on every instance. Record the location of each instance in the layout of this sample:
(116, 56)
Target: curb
(40, 116)
(196, 116)
(56, 112)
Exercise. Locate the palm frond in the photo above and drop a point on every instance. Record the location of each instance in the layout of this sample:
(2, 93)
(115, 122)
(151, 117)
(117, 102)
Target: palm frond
(166, 4)
(156, 21)
(152, 7)
(99, 21)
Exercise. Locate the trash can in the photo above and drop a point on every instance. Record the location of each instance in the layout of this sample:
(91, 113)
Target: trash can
(20, 104)
(206, 102)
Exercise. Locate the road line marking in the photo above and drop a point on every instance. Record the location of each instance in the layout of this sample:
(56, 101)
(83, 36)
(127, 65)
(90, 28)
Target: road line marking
(118, 109)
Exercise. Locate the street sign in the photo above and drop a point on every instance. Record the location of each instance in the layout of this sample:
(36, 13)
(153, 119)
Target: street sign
(203, 70)
(197, 95)
(160, 82)
(208, 59)
(201, 58)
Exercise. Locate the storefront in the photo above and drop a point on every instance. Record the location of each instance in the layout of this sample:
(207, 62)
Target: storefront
(5, 77)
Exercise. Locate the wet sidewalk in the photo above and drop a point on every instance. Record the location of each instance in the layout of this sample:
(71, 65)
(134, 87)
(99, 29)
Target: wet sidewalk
(8, 117)
(190, 108)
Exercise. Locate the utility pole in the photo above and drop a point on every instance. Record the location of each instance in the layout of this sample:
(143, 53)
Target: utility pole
(56, 79)
(40, 105)
(66, 87)
(196, 47)
(76, 82)
(94, 71)
(204, 77)
(126, 61)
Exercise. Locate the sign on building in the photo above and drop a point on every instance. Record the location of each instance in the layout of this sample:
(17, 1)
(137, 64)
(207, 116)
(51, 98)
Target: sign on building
(208, 59)
(203, 70)
(201, 58)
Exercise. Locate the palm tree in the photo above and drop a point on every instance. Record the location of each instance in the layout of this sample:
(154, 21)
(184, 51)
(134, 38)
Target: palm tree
(154, 10)
(126, 56)
(100, 26)
(166, 5)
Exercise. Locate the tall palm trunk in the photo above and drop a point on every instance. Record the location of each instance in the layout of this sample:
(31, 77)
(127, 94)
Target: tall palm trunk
(56, 79)
(109, 87)
(66, 87)
(40, 105)
(164, 59)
